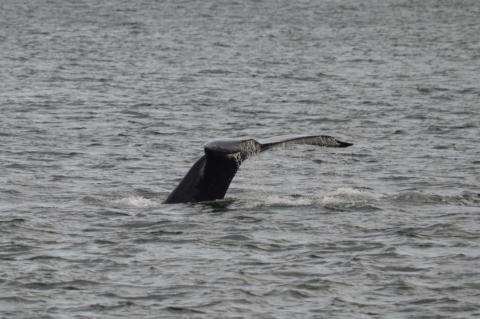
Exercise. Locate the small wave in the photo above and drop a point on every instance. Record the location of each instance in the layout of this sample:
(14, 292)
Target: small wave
(13, 221)
(351, 198)
(274, 200)
(236, 237)
(288, 200)
(183, 310)
(215, 71)
(431, 89)
(440, 230)
(418, 198)
(136, 201)
(68, 285)
(415, 197)
(17, 299)
(342, 198)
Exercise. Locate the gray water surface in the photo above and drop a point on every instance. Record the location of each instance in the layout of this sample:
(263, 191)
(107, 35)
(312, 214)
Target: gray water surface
(106, 104)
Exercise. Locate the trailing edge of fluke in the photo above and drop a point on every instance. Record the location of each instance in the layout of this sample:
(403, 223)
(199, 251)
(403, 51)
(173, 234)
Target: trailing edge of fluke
(210, 177)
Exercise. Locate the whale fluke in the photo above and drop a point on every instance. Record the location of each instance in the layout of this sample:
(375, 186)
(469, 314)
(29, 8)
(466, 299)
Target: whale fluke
(210, 177)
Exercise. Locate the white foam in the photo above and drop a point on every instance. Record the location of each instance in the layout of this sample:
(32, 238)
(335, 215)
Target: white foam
(136, 201)
(356, 193)
(285, 200)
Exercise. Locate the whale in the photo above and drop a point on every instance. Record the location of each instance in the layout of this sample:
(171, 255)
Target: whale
(209, 178)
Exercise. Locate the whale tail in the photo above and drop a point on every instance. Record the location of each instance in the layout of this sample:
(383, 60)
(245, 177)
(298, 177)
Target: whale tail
(210, 177)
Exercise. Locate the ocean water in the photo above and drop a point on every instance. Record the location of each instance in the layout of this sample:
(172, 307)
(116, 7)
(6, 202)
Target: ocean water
(106, 104)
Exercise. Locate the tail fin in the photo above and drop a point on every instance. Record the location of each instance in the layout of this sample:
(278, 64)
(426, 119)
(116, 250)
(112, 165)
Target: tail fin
(319, 140)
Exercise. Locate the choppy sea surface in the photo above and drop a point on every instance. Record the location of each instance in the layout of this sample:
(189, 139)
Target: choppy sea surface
(106, 104)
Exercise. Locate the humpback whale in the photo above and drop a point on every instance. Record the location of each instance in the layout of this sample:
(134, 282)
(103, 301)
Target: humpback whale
(210, 177)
